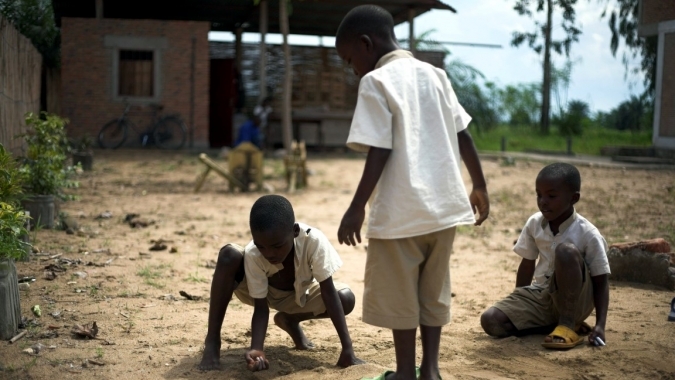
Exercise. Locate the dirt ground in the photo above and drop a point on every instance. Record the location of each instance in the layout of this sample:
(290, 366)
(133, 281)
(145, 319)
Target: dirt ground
(145, 335)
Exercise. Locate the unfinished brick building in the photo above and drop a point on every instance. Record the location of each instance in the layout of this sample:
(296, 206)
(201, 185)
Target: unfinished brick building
(115, 52)
(657, 18)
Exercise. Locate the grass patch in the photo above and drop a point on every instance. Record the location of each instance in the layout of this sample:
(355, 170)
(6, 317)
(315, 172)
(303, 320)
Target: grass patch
(151, 274)
(520, 139)
(195, 277)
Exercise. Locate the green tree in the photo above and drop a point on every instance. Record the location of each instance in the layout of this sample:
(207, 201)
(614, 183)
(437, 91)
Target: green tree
(541, 39)
(473, 92)
(35, 20)
(623, 23)
(520, 103)
(572, 120)
(634, 114)
(560, 84)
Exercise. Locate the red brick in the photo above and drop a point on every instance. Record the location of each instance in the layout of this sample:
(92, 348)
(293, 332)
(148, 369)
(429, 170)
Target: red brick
(86, 71)
(654, 245)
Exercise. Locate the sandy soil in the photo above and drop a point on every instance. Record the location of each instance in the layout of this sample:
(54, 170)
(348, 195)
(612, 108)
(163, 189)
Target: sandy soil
(145, 337)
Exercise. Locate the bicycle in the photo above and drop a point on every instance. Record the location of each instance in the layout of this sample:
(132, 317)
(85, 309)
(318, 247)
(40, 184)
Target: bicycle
(167, 132)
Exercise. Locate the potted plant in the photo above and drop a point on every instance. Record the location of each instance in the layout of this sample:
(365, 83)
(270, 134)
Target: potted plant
(82, 153)
(12, 244)
(45, 174)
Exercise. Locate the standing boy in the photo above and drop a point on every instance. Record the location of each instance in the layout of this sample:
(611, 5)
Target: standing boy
(571, 277)
(409, 121)
(287, 266)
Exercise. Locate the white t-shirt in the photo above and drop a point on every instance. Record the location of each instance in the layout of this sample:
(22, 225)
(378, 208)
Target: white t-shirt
(315, 259)
(262, 113)
(409, 106)
(537, 241)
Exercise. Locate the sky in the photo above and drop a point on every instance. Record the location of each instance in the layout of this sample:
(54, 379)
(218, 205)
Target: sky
(598, 78)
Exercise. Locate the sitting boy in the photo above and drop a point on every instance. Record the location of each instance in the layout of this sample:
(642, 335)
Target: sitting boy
(570, 278)
(278, 269)
(249, 132)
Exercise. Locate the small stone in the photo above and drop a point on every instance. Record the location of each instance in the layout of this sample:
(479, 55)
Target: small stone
(81, 274)
(105, 215)
(24, 286)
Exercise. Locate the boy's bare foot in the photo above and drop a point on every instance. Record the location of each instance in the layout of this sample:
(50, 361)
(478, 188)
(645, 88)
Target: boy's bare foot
(211, 357)
(291, 325)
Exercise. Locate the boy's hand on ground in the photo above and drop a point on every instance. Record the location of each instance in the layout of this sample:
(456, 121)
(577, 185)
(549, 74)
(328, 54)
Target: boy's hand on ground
(350, 227)
(348, 359)
(256, 361)
(597, 332)
(480, 202)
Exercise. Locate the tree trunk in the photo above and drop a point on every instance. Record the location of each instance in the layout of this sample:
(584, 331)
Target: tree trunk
(545, 120)
(288, 78)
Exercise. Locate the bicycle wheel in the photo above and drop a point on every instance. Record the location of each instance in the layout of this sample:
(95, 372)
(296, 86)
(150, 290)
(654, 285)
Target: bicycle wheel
(113, 134)
(170, 133)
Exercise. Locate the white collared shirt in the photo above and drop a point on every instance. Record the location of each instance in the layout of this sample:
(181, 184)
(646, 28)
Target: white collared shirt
(409, 106)
(537, 241)
(315, 259)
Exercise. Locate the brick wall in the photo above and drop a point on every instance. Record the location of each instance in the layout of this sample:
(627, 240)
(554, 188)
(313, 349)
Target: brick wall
(87, 73)
(667, 117)
(655, 11)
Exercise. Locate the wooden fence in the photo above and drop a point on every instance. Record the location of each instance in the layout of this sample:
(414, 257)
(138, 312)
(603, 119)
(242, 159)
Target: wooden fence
(20, 69)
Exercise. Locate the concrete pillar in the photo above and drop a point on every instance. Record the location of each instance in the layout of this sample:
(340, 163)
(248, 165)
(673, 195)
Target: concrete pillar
(238, 51)
(411, 26)
(99, 9)
(263, 50)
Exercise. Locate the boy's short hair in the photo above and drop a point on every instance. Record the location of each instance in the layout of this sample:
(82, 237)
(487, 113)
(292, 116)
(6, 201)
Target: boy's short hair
(271, 212)
(367, 19)
(565, 172)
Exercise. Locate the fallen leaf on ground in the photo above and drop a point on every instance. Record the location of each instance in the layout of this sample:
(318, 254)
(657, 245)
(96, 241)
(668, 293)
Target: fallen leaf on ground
(49, 334)
(56, 267)
(190, 296)
(131, 216)
(158, 246)
(85, 331)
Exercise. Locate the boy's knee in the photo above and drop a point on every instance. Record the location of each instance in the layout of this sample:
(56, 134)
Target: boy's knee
(493, 325)
(567, 253)
(229, 256)
(347, 299)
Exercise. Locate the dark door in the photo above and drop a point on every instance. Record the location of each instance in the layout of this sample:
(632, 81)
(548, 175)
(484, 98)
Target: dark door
(222, 101)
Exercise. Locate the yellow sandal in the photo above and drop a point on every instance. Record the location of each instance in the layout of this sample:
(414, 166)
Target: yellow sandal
(571, 338)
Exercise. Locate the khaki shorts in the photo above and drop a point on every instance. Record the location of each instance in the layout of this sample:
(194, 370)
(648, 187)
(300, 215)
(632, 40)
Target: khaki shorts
(407, 281)
(284, 300)
(532, 306)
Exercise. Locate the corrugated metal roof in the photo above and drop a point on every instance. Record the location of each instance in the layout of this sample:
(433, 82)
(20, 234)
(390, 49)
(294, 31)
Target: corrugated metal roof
(309, 17)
